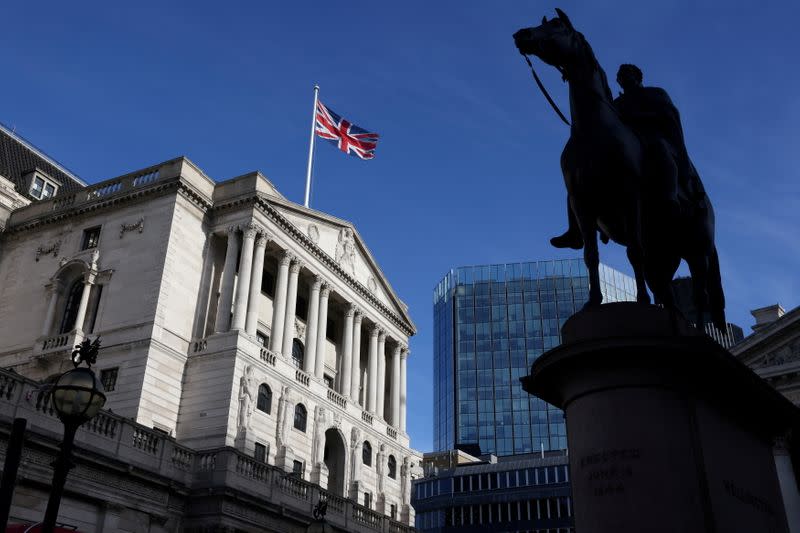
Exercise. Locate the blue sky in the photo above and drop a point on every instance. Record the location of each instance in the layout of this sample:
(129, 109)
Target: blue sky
(466, 171)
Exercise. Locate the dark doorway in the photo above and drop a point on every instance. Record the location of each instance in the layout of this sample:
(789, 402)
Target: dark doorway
(335, 461)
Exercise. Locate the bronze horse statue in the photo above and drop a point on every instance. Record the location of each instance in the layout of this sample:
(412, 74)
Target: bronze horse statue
(610, 183)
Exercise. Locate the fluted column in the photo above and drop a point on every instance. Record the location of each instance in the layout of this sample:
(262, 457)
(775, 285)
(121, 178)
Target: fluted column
(347, 351)
(395, 384)
(291, 306)
(84, 303)
(311, 326)
(279, 302)
(381, 374)
(372, 379)
(54, 289)
(223, 322)
(251, 324)
(403, 359)
(355, 379)
(243, 285)
(322, 327)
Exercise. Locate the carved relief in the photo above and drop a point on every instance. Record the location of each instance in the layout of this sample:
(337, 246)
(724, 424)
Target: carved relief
(135, 226)
(246, 391)
(318, 445)
(355, 453)
(785, 354)
(372, 285)
(51, 248)
(346, 251)
(285, 413)
(300, 329)
(380, 467)
(313, 233)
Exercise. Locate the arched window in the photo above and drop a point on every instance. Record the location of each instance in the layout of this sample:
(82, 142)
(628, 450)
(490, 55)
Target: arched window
(264, 398)
(300, 417)
(392, 467)
(298, 353)
(73, 300)
(366, 453)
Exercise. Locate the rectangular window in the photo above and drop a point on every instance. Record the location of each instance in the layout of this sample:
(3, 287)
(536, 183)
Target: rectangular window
(49, 191)
(368, 500)
(262, 339)
(108, 378)
(297, 468)
(37, 186)
(91, 238)
(393, 511)
(260, 454)
(328, 381)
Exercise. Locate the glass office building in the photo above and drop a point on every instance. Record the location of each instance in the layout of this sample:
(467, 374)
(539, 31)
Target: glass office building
(490, 323)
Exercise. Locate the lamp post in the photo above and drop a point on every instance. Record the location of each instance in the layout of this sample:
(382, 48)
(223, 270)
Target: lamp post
(77, 396)
(319, 525)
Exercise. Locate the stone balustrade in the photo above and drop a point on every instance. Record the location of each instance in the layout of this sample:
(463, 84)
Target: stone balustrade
(337, 398)
(111, 437)
(391, 432)
(302, 377)
(268, 356)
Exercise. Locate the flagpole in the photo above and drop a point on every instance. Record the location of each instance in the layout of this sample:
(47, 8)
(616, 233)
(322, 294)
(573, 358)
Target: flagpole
(311, 146)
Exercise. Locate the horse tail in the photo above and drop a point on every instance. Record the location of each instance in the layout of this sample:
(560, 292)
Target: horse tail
(716, 297)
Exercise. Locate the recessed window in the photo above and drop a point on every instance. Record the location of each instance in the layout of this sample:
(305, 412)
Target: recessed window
(91, 238)
(41, 187)
(301, 308)
(260, 453)
(262, 339)
(264, 402)
(298, 467)
(108, 378)
(298, 353)
(268, 283)
(366, 453)
(330, 331)
(71, 307)
(393, 511)
(328, 381)
(300, 416)
(368, 500)
(392, 467)
(37, 187)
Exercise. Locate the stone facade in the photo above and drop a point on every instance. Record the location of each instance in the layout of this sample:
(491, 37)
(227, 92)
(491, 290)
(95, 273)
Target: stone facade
(231, 319)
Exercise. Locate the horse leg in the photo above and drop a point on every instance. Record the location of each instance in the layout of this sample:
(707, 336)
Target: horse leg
(636, 260)
(698, 266)
(591, 256)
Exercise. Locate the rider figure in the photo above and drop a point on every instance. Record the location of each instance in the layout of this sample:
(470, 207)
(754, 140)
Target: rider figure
(650, 112)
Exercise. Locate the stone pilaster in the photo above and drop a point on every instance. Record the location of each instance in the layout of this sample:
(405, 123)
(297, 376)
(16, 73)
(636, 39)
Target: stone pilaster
(243, 285)
(347, 351)
(251, 324)
(279, 302)
(372, 380)
(322, 327)
(381, 397)
(223, 322)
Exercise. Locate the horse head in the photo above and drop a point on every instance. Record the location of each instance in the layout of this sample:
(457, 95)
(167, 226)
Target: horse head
(554, 41)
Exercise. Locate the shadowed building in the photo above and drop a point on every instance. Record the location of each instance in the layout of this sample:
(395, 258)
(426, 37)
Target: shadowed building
(490, 323)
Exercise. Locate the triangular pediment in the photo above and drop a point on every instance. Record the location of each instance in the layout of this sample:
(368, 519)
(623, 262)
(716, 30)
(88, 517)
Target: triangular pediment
(340, 240)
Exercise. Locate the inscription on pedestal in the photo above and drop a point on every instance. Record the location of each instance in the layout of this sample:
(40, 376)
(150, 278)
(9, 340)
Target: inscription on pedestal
(607, 471)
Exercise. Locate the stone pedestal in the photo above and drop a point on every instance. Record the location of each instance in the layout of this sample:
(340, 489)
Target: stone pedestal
(666, 430)
(355, 491)
(285, 459)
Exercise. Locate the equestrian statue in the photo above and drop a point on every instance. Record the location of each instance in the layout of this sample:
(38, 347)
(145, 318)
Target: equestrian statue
(628, 175)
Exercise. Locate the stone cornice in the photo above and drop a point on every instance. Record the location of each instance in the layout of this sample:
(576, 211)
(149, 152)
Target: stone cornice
(264, 207)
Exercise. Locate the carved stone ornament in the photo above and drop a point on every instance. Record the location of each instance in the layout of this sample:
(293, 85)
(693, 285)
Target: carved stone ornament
(313, 233)
(372, 285)
(346, 251)
(135, 226)
(785, 354)
(49, 249)
(300, 328)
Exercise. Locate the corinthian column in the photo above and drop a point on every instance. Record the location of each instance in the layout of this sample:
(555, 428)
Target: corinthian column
(84, 303)
(347, 350)
(312, 326)
(372, 396)
(355, 379)
(395, 384)
(223, 322)
(54, 290)
(322, 328)
(291, 305)
(381, 373)
(279, 302)
(403, 358)
(251, 324)
(243, 286)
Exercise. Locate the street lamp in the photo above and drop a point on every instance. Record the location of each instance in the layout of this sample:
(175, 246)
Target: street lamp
(77, 397)
(319, 525)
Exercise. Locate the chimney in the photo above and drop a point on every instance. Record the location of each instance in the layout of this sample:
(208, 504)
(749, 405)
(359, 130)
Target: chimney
(767, 315)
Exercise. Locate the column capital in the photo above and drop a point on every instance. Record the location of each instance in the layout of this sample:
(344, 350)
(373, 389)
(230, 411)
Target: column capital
(262, 238)
(374, 330)
(351, 310)
(286, 258)
(249, 230)
(297, 265)
(232, 229)
(325, 291)
(359, 315)
(397, 349)
(317, 283)
(404, 352)
(381, 334)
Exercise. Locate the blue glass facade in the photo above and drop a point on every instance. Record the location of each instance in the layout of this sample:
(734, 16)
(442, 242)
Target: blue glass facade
(490, 323)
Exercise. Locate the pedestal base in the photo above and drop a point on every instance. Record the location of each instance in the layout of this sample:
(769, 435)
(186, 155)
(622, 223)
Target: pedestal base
(285, 459)
(319, 475)
(667, 431)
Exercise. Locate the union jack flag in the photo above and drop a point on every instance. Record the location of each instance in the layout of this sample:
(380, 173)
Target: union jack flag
(348, 137)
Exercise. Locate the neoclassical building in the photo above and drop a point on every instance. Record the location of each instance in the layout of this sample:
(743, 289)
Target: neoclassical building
(231, 318)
